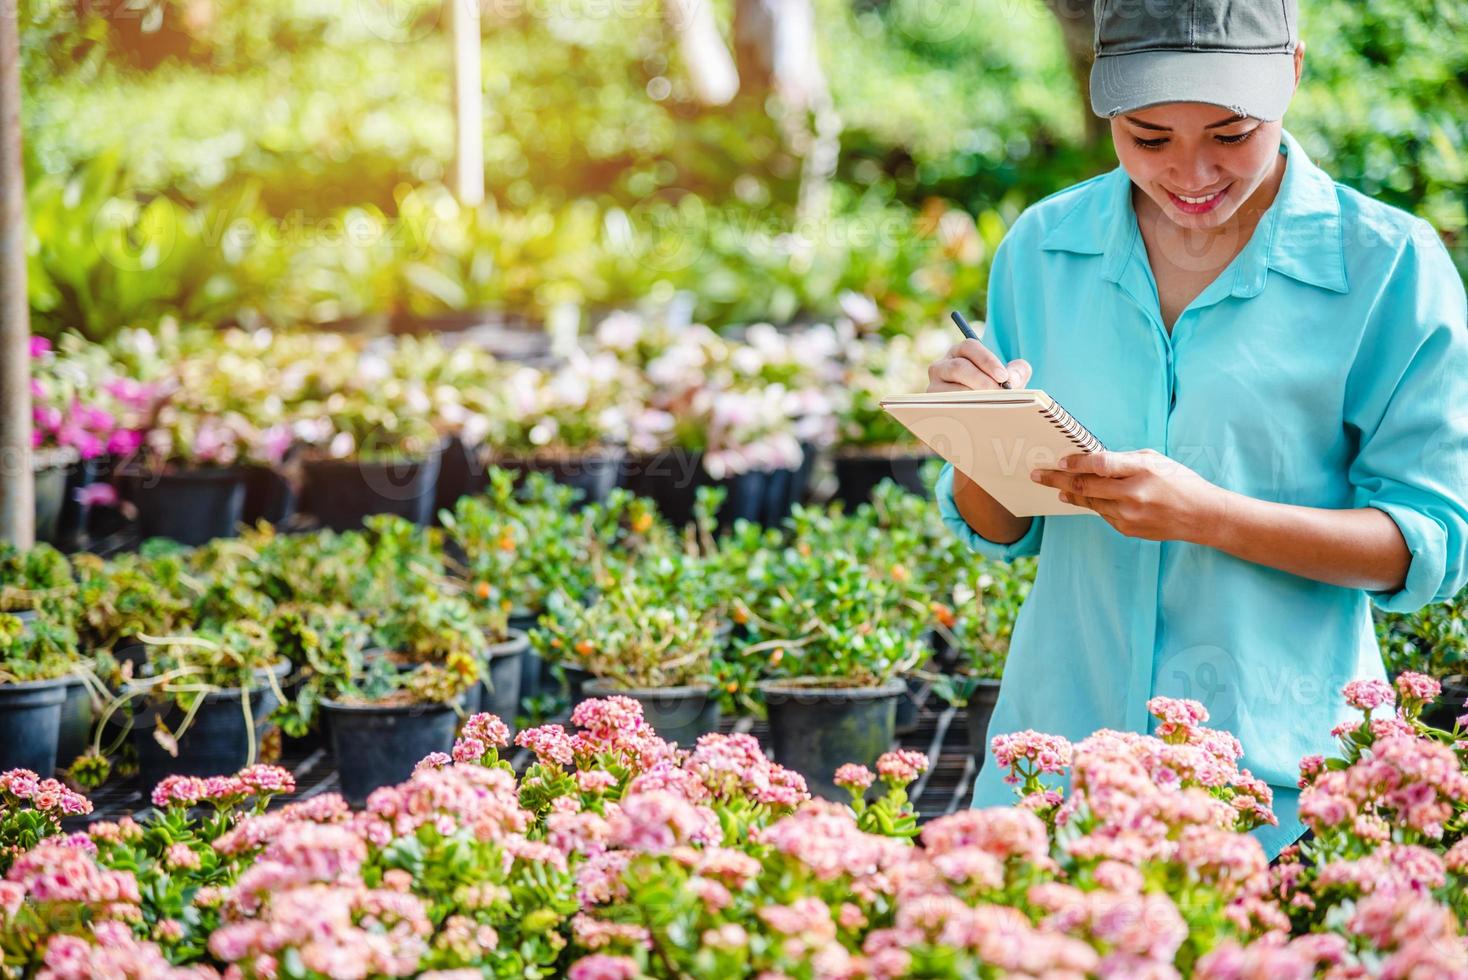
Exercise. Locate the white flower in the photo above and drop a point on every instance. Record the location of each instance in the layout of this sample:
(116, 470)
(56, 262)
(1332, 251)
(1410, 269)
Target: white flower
(543, 432)
(342, 445)
(620, 331)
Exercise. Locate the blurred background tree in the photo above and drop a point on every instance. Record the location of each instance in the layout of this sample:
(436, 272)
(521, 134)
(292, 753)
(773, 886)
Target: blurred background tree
(768, 158)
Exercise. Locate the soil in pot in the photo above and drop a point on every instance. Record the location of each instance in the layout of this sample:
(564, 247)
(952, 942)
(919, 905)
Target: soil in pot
(341, 493)
(30, 720)
(670, 478)
(191, 506)
(217, 741)
(594, 472)
(813, 730)
(677, 714)
(500, 695)
(75, 732)
(377, 745)
(859, 472)
(980, 709)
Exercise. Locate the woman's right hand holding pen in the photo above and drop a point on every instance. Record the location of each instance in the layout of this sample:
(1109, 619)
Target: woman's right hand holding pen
(970, 365)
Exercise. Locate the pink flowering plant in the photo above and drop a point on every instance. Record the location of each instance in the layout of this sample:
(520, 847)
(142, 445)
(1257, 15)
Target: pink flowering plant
(31, 809)
(616, 854)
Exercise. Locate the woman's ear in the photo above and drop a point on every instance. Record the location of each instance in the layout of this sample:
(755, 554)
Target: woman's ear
(1299, 61)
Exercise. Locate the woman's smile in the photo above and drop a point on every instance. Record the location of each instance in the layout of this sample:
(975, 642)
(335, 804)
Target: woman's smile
(1198, 203)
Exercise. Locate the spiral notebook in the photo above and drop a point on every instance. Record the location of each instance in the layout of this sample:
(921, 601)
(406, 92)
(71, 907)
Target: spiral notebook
(996, 437)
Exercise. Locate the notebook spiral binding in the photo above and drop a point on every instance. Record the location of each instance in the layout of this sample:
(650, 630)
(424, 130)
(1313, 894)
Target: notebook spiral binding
(1073, 430)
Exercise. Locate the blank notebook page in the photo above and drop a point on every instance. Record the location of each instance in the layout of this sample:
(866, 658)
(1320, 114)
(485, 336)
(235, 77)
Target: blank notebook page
(996, 437)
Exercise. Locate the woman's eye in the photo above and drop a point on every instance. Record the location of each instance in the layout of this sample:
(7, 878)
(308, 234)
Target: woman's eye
(1231, 140)
(1151, 144)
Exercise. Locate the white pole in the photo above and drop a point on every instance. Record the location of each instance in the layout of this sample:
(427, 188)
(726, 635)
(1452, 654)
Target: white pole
(17, 482)
(468, 176)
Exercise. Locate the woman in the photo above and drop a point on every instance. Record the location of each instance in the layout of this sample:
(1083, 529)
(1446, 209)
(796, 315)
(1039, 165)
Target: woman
(1278, 366)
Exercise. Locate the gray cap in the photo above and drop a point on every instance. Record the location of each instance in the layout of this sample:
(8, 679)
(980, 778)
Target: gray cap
(1239, 54)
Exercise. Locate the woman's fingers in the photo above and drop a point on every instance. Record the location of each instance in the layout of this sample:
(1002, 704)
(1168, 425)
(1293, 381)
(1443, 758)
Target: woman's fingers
(957, 372)
(969, 364)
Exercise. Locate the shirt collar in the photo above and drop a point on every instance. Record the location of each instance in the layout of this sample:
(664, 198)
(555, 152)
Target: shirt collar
(1299, 236)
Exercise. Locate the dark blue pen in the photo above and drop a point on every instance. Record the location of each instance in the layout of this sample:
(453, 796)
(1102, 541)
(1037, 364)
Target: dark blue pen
(968, 332)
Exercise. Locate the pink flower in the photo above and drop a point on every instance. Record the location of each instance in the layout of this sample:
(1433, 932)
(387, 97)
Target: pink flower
(595, 780)
(267, 780)
(655, 821)
(40, 347)
(901, 766)
(1045, 753)
(600, 966)
(1417, 688)
(488, 729)
(1004, 832)
(1368, 695)
(1179, 717)
(854, 776)
(550, 743)
(97, 495)
(124, 442)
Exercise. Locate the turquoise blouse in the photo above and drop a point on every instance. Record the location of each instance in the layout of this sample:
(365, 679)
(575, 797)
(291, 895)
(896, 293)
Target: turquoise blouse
(1326, 366)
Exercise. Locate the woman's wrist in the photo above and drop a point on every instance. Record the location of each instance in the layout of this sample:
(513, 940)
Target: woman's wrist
(1216, 523)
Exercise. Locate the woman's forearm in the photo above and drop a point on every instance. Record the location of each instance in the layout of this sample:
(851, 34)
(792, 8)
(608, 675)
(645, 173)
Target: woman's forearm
(986, 515)
(1361, 548)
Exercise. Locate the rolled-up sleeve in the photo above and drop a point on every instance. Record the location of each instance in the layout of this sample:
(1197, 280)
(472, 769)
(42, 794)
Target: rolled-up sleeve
(1407, 399)
(1028, 544)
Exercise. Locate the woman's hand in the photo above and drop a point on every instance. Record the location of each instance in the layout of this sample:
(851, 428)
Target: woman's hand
(970, 365)
(1142, 494)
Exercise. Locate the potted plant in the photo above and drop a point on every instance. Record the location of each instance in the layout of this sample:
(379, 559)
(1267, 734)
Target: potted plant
(647, 636)
(200, 701)
(370, 444)
(872, 446)
(393, 710)
(217, 416)
(513, 546)
(502, 667)
(835, 640)
(568, 422)
(35, 663)
(32, 579)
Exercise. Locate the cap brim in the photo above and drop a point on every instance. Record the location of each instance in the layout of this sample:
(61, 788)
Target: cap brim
(1258, 85)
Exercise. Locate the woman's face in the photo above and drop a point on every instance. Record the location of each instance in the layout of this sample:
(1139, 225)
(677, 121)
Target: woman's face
(1198, 162)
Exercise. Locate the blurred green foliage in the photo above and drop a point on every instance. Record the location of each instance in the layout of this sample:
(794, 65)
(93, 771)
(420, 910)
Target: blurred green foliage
(299, 147)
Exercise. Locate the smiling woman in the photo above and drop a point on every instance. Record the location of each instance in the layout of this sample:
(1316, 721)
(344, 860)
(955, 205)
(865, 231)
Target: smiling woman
(1281, 366)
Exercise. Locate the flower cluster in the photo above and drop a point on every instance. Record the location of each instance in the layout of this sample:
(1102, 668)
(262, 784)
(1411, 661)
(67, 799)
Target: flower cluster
(259, 781)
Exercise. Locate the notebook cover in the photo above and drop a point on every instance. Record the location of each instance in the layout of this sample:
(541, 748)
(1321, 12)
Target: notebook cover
(995, 438)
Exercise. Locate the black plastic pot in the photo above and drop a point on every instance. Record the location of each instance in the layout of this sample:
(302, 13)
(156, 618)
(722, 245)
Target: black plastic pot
(341, 493)
(269, 496)
(980, 709)
(576, 681)
(190, 506)
(457, 468)
(910, 704)
(677, 714)
(71, 525)
(217, 741)
(857, 474)
(532, 667)
(1449, 705)
(501, 694)
(669, 478)
(594, 473)
(30, 718)
(813, 730)
(378, 745)
(764, 496)
(50, 482)
(75, 732)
